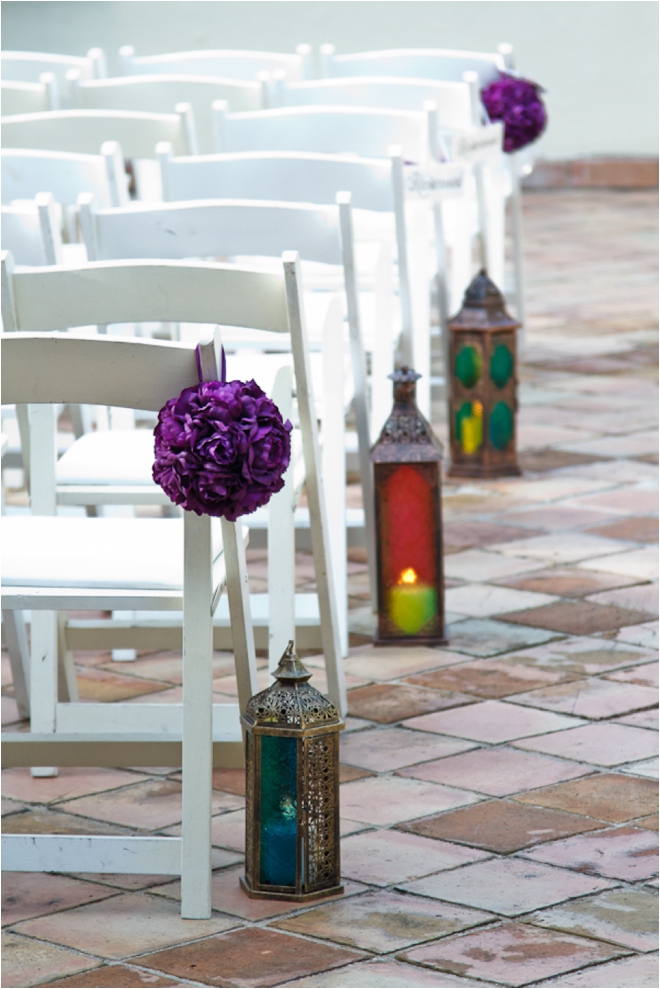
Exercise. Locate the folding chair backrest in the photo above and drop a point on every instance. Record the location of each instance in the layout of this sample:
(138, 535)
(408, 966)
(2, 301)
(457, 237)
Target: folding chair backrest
(421, 63)
(225, 63)
(30, 97)
(28, 66)
(159, 93)
(31, 231)
(325, 129)
(293, 176)
(83, 131)
(452, 98)
(65, 174)
(211, 228)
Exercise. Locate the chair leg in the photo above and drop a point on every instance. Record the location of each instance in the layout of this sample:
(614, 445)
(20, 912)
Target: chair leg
(281, 545)
(197, 732)
(19, 658)
(517, 236)
(443, 311)
(43, 678)
(420, 277)
(238, 594)
(67, 683)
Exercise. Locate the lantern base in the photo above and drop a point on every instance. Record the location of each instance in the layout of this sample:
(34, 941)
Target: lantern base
(478, 470)
(317, 894)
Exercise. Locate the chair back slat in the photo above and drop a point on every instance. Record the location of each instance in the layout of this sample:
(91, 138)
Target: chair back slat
(228, 64)
(56, 298)
(26, 172)
(427, 63)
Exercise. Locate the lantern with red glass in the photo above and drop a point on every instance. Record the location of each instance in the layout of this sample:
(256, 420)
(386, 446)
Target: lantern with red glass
(407, 488)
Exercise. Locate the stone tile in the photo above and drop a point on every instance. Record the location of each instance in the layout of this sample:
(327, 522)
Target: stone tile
(11, 807)
(70, 782)
(625, 916)
(499, 826)
(382, 858)
(641, 719)
(640, 563)
(645, 767)
(610, 797)
(490, 678)
(385, 800)
(167, 666)
(30, 894)
(10, 713)
(622, 471)
(645, 635)
(492, 721)
(392, 748)
(230, 781)
(637, 972)
(250, 957)
(101, 685)
(511, 954)
(476, 564)
(508, 886)
(227, 896)
(627, 501)
(391, 663)
(594, 699)
(115, 977)
(386, 703)
(485, 637)
(53, 822)
(496, 772)
(558, 517)
(581, 656)
(349, 773)
(124, 881)
(621, 446)
(123, 925)
(620, 853)
(563, 548)
(26, 962)
(540, 461)
(641, 597)
(383, 922)
(367, 975)
(150, 805)
(646, 675)
(643, 529)
(567, 583)
(550, 488)
(460, 535)
(600, 745)
(651, 823)
(482, 600)
(227, 830)
(576, 617)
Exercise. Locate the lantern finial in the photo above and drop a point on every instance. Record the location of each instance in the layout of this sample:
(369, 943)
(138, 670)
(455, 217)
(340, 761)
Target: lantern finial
(290, 668)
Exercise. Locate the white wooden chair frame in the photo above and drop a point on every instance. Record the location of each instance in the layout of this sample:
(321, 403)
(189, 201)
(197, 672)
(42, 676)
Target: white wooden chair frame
(29, 66)
(26, 172)
(224, 63)
(30, 97)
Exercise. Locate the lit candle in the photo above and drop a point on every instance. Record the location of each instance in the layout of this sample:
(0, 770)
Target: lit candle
(472, 429)
(411, 604)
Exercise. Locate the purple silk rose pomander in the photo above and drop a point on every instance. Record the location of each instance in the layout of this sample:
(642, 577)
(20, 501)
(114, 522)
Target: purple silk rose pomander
(518, 104)
(221, 448)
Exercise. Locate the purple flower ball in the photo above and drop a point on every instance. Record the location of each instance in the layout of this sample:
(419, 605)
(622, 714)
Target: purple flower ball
(221, 449)
(518, 104)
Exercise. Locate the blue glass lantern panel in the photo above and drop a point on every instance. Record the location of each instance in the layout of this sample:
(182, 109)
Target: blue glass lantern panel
(279, 811)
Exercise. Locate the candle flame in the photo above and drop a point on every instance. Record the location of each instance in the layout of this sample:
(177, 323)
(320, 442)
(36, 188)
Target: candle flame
(408, 576)
(477, 409)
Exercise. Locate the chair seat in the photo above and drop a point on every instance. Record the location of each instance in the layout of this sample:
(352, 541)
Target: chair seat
(104, 553)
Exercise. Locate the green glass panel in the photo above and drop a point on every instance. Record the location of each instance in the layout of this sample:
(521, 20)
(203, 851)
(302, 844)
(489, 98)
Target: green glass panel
(469, 426)
(501, 365)
(468, 366)
(501, 425)
(279, 811)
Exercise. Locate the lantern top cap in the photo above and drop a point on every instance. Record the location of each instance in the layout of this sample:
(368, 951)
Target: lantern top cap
(290, 668)
(404, 375)
(483, 293)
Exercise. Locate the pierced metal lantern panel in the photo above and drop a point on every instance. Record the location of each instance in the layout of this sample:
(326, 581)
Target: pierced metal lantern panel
(292, 791)
(407, 487)
(483, 384)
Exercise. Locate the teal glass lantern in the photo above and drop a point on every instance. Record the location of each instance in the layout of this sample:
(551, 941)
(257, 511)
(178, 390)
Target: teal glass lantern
(482, 384)
(292, 789)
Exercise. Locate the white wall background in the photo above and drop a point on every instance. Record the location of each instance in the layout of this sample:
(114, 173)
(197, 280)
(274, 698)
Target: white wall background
(597, 59)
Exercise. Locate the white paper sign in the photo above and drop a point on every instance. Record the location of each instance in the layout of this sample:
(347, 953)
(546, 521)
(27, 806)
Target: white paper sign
(478, 144)
(435, 182)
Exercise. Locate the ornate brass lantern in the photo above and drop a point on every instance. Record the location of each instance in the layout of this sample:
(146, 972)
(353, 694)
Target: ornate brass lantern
(407, 488)
(482, 393)
(292, 792)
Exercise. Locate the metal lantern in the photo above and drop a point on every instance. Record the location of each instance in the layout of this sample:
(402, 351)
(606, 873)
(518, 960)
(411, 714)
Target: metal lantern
(292, 792)
(407, 485)
(482, 395)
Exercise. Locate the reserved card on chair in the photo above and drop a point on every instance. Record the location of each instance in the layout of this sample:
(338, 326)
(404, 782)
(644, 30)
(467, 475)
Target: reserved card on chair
(436, 181)
(477, 144)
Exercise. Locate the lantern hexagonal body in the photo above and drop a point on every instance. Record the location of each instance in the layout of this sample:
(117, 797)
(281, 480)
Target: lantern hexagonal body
(407, 485)
(292, 790)
(483, 383)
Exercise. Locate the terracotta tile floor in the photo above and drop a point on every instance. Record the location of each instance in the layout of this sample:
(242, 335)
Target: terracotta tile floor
(499, 795)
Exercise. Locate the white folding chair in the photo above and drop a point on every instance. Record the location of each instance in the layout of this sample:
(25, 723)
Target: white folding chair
(166, 291)
(159, 93)
(28, 67)
(225, 63)
(322, 234)
(31, 231)
(422, 63)
(30, 97)
(65, 174)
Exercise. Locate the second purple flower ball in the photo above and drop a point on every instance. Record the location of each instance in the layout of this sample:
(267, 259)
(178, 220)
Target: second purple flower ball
(221, 449)
(518, 104)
